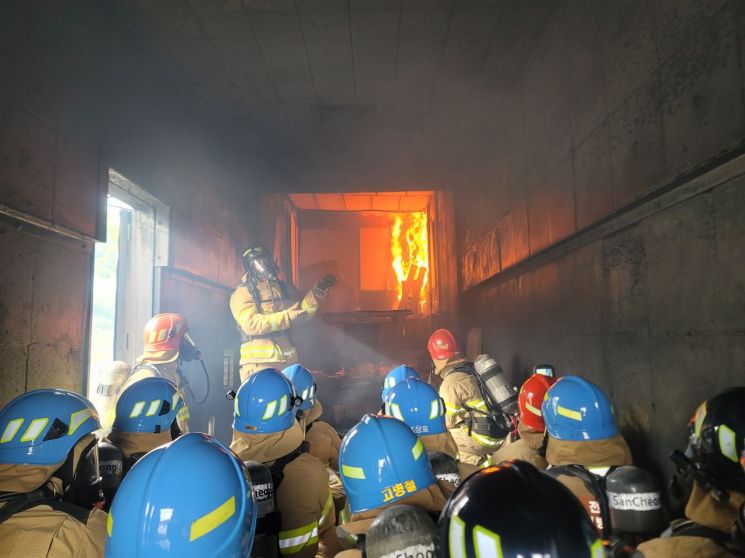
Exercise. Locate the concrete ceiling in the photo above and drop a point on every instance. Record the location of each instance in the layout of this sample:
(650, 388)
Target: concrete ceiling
(344, 95)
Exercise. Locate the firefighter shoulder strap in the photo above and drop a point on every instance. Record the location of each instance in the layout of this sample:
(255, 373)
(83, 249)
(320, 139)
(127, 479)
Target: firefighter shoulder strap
(594, 483)
(29, 500)
(278, 467)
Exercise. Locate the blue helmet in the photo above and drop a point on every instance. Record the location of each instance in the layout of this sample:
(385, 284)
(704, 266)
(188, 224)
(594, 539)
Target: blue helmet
(41, 427)
(188, 498)
(148, 405)
(576, 409)
(265, 403)
(416, 403)
(382, 461)
(396, 376)
(305, 385)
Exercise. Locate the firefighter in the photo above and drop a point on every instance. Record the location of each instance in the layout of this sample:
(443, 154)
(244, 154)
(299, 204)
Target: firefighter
(146, 417)
(382, 463)
(265, 429)
(265, 309)
(528, 442)
(50, 486)
(165, 507)
(167, 345)
(465, 405)
(584, 444)
(718, 495)
(416, 403)
(323, 440)
(514, 511)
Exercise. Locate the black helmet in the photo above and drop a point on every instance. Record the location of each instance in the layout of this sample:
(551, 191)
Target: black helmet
(718, 438)
(259, 264)
(401, 531)
(514, 510)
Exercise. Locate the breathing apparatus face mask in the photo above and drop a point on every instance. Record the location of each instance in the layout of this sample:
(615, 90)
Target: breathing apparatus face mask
(263, 267)
(188, 349)
(85, 488)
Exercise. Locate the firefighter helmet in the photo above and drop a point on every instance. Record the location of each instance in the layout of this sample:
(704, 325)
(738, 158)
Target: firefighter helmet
(164, 507)
(164, 334)
(265, 403)
(718, 439)
(442, 345)
(305, 385)
(41, 427)
(382, 461)
(416, 403)
(576, 409)
(149, 405)
(530, 399)
(396, 376)
(535, 516)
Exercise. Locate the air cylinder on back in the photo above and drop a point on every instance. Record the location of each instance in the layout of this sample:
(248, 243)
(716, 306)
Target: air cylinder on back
(267, 520)
(634, 501)
(500, 390)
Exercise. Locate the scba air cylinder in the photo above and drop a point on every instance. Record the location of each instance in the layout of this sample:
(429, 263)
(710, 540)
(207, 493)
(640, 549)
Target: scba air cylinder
(634, 501)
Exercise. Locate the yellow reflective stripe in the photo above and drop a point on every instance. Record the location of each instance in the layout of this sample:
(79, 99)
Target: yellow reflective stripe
(153, 408)
(282, 405)
(326, 508)
(77, 419)
(451, 410)
(294, 540)
(434, 409)
(597, 550)
(485, 440)
(457, 537)
(728, 443)
(600, 471)
(34, 429)
(533, 410)
(109, 524)
(212, 520)
(487, 543)
(476, 404)
(699, 420)
(11, 430)
(137, 409)
(395, 410)
(269, 411)
(353, 472)
(569, 413)
(417, 450)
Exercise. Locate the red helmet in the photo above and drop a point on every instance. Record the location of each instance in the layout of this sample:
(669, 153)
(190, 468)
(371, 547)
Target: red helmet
(442, 345)
(163, 335)
(530, 399)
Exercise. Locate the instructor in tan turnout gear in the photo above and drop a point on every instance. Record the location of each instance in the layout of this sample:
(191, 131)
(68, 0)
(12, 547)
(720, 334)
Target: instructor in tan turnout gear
(265, 308)
(462, 395)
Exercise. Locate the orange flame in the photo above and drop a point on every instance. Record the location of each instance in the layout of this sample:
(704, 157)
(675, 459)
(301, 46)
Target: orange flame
(411, 258)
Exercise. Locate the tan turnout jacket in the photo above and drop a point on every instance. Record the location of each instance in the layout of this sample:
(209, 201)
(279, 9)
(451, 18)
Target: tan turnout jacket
(303, 498)
(460, 390)
(706, 511)
(526, 448)
(597, 456)
(267, 323)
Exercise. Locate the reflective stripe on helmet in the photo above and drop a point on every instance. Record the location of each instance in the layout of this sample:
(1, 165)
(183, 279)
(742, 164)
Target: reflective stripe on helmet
(353, 472)
(212, 520)
(110, 523)
(11, 430)
(534, 410)
(417, 450)
(728, 443)
(295, 540)
(34, 429)
(569, 413)
(77, 419)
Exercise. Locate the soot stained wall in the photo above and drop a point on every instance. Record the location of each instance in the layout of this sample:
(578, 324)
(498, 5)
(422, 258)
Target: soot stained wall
(617, 100)
(81, 93)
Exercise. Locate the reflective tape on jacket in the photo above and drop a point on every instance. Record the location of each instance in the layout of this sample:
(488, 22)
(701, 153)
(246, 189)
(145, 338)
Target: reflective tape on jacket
(486, 440)
(295, 540)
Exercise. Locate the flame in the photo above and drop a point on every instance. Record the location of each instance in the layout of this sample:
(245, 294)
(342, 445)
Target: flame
(410, 256)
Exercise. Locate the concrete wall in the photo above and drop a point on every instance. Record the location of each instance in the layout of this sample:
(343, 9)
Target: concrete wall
(80, 93)
(617, 102)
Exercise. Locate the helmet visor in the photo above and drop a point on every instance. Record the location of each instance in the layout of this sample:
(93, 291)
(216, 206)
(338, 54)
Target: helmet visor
(263, 267)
